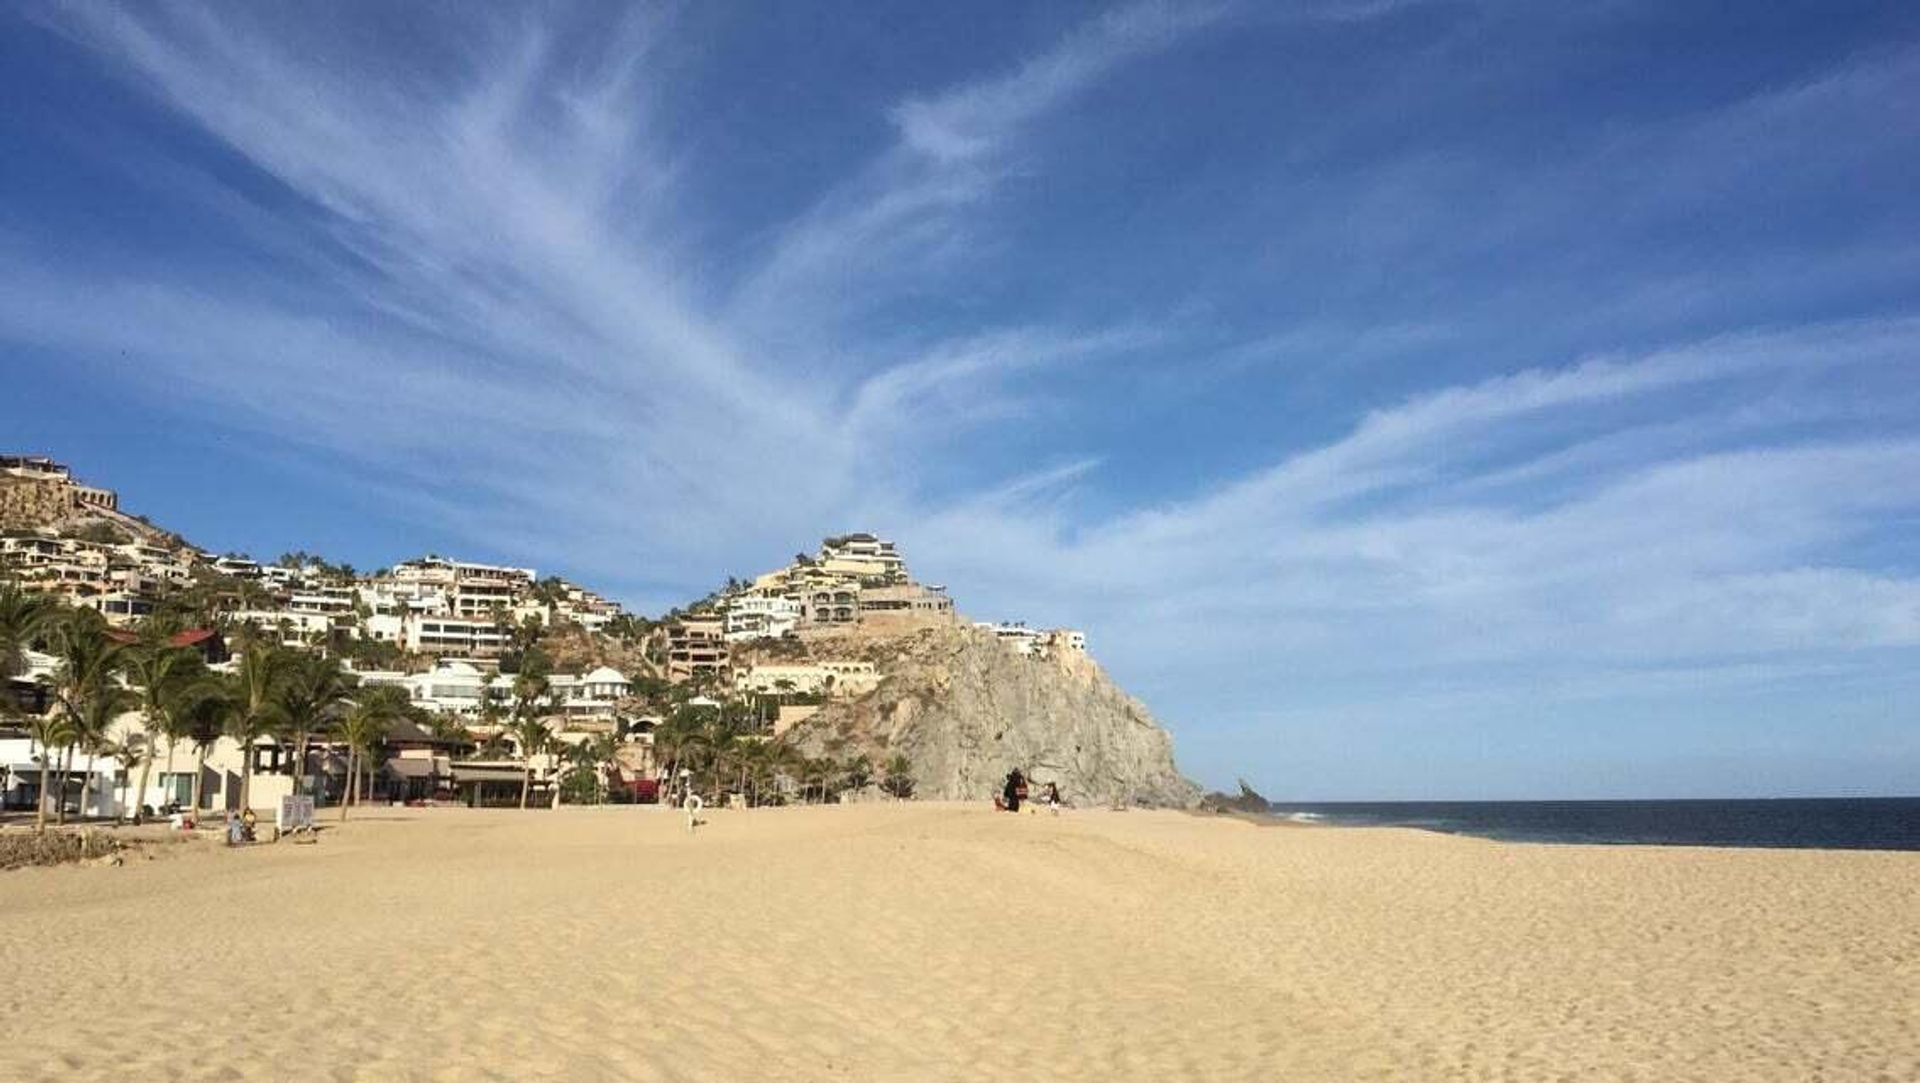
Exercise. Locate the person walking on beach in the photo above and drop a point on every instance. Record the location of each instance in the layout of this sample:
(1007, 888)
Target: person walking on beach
(1015, 791)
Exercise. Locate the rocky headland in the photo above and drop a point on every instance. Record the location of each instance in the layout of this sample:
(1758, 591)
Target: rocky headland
(963, 710)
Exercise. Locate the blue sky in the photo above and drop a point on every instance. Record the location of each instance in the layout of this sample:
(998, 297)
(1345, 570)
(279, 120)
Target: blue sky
(1410, 399)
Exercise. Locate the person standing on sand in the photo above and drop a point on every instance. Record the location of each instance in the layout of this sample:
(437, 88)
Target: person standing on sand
(1015, 790)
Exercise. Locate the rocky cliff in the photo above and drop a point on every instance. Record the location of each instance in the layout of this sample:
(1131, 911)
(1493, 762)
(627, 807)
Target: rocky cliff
(964, 710)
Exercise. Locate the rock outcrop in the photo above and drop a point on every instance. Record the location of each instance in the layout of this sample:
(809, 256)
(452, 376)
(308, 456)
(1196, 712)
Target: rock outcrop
(964, 709)
(1247, 802)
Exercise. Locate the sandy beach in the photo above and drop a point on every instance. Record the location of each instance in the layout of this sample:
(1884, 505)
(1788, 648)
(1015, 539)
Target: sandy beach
(941, 942)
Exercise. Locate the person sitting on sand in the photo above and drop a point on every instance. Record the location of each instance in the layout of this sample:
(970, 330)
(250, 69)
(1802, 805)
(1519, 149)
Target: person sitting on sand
(1052, 797)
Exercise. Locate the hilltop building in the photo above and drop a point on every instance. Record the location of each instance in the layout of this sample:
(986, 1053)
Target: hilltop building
(826, 677)
(1036, 643)
(855, 579)
(697, 646)
(36, 491)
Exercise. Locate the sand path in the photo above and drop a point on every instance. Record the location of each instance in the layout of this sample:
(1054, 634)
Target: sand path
(938, 942)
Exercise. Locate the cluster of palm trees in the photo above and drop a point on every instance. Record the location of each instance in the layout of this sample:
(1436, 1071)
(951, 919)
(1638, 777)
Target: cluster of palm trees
(102, 677)
(722, 750)
(294, 698)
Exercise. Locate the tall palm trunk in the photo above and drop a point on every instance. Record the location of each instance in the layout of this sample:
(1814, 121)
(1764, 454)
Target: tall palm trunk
(66, 776)
(299, 762)
(169, 769)
(40, 813)
(526, 782)
(86, 782)
(199, 775)
(353, 781)
(246, 777)
(140, 798)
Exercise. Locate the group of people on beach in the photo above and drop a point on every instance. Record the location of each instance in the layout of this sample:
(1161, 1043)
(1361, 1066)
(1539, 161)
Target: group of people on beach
(1014, 792)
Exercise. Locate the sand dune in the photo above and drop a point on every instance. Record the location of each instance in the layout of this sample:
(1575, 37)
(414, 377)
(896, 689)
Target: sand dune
(939, 942)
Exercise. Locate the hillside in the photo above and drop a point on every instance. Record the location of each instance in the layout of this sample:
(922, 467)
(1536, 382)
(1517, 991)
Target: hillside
(964, 709)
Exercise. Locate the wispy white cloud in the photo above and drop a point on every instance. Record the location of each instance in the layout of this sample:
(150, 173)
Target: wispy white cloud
(1381, 554)
(975, 121)
(498, 309)
(878, 233)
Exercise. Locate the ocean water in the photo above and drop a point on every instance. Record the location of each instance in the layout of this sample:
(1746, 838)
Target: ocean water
(1847, 823)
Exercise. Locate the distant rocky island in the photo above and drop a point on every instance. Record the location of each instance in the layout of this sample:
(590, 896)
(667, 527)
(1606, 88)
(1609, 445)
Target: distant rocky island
(839, 657)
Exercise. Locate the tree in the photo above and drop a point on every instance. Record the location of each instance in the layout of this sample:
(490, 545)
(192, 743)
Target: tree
(51, 730)
(256, 710)
(531, 734)
(93, 714)
(310, 695)
(89, 663)
(24, 616)
(858, 772)
(364, 727)
(166, 678)
(899, 777)
(585, 780)
(204, 720)
(130, 750)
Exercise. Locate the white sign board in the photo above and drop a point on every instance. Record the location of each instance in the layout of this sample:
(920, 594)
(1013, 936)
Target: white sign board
(295, 813)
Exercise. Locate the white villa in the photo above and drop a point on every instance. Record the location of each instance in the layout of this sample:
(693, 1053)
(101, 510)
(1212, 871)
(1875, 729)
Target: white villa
(761, 616)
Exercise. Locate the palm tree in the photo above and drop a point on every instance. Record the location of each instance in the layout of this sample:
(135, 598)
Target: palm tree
(166, 677)
(594, 755)
(859, 772)
(785, 760)
(899, 777)
(51, 730)
(530, 688)
(365, 726)
(309, 696)
(93, 714)
(90, 661)
(256, 706)
(204, 719)
(23, 617)
(131, 750)
(531, 733)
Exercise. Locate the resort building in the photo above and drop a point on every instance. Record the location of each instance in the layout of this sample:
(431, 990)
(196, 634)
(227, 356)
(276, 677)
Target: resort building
(761, 616)
(1033, 643)
(594, 695)
(237, 567)
(35, 490)
(696, 646)
(1014, 636)
(864, 556)
(475, 589)
(905, 603)
(837, 604)
(474, 636)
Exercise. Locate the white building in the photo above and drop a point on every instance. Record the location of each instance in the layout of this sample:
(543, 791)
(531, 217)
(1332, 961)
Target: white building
(1014, 636)
(761, 616)
(454, 635)
(474, 589)
(594, 695)
(1033, 643)
(864, 555)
